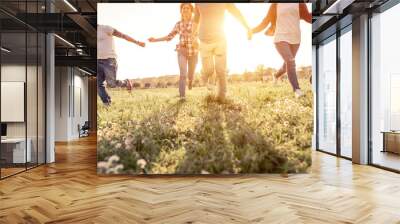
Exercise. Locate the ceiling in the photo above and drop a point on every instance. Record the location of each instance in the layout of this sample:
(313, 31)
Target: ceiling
(332, 15)
(75, 21)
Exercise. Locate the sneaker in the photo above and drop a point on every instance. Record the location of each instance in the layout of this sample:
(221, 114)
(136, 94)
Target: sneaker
(298, 93)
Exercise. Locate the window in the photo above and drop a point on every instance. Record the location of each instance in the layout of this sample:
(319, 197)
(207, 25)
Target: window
(346, 93)
(385, 89)
(327, 96)
(23, 77)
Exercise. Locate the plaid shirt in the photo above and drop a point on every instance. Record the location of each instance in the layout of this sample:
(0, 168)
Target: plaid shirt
(186, 39)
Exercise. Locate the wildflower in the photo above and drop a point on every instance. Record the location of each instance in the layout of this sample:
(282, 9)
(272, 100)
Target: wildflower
(204, 172)
(113, 159)
(102, 165)
(108, 136)
(119, 167)
(141, 163)
(118, 145)
(129, 139)
(129, 147)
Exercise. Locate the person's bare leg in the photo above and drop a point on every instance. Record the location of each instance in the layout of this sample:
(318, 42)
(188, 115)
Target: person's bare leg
(220, 68)
(207, 62)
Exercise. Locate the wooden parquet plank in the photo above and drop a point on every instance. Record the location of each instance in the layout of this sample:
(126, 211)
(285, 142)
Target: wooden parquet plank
(70, 191)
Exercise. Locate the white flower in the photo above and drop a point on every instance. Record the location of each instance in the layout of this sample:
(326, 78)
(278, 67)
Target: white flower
(113, 159)
(128, 140)
(141, 163)
(119, 167)
(204, 172)
(128, 147)
(102, 165)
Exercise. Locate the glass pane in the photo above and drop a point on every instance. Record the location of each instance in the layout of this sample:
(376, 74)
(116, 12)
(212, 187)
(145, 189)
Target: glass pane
(32, 87)
(386, 89)
(346, 94)
(13, 86)
(327, 97)
(31, 98)
(41, 99)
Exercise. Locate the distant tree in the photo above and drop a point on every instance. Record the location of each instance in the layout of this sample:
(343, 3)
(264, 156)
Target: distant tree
(304, 72)
(270, 71)
(260, 71)
(136, 85)
(247, 76)
(160, 85)
(235, 78)
(147, 85)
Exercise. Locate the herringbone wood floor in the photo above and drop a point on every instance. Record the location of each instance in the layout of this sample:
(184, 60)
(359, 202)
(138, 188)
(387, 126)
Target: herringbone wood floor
(69, 191)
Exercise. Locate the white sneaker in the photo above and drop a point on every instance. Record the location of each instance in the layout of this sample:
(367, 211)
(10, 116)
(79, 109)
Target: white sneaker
(298, 93)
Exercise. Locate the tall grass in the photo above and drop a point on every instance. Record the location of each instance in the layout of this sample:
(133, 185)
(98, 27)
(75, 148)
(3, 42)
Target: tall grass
(259, 128)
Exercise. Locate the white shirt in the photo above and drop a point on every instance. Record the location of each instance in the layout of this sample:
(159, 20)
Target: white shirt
(288, 23)
(105, 42)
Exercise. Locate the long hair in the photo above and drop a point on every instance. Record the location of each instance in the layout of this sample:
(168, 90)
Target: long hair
(189, 4)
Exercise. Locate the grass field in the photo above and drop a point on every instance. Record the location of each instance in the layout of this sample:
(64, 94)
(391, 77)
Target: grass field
(259, 128)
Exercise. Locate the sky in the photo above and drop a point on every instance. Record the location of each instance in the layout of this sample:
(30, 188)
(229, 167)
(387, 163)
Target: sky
(144, 20)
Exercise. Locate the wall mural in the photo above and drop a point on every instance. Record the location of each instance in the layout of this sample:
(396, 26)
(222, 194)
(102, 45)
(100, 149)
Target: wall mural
(204, 88)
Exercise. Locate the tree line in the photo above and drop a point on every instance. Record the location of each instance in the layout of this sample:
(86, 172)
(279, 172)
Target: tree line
(260, 74)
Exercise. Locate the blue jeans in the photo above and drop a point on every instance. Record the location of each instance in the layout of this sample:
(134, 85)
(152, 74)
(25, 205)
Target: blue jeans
(288, 53)
(187, 67)
(106, 72)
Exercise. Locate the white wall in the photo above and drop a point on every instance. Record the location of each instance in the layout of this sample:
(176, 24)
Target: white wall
(62, 80)
(81, 102)
(71, 94)
(33, 126)
(16, 73)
